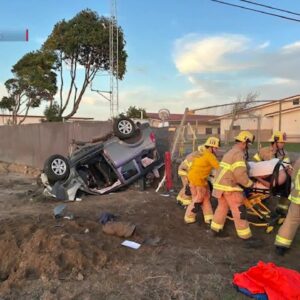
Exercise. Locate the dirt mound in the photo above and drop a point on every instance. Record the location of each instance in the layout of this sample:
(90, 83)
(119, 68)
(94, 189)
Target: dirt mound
(60, 251)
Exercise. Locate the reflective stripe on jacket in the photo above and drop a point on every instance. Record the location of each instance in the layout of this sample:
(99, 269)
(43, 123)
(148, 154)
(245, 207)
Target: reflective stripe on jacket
(267, 153)
(201, 168)
(186, 164)
(295, 193)
(233, 172)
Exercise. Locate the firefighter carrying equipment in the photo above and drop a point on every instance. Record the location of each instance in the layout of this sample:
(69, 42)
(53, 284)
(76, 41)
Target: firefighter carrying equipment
(228, 189)
(290, 225)
(233, 172)
(276, 283)
(278, 137)
(213, 142)
(273, 151)
(269, 152)
(245, 137)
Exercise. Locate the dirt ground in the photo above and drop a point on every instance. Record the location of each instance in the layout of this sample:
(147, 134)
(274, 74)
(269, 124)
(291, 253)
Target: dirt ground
(45, 258)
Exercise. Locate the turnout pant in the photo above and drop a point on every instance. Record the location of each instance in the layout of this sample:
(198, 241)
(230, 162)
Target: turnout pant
(289, 227)
(182, 197)
(200, 195)
(232, 201)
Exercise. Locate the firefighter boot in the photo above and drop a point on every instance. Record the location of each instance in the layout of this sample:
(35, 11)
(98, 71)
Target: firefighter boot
(281, 251)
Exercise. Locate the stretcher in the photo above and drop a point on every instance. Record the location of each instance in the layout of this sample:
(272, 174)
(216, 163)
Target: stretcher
(259, 201)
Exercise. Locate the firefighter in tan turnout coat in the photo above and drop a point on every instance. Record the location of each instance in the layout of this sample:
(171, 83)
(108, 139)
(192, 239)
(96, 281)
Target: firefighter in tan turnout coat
(183, 170)
(228, 186)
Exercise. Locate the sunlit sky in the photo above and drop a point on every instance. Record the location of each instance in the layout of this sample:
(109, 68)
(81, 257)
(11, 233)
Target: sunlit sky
(180, 53)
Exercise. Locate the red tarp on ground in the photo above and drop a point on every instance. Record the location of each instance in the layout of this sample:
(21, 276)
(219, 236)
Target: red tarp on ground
(277, 282)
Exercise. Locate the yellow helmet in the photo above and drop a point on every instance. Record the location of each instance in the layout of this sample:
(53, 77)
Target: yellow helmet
(212, 142)
(245, 136)
(200, 148)
(278, 136)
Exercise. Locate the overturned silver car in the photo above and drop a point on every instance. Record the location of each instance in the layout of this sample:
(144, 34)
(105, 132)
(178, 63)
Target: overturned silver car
(105, 166)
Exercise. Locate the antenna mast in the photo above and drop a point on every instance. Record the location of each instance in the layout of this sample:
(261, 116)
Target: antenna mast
(113, 94)
(114, 60)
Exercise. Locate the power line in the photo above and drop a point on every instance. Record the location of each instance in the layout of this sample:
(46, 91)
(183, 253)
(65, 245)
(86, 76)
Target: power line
(271, 7)
(256, 10)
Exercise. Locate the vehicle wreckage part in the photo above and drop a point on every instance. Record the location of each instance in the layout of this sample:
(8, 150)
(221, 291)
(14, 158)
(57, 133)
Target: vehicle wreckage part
(56, 168)
(58, 211)
(124, 128)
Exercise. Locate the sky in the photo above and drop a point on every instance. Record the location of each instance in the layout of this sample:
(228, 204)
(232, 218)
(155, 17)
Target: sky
(180, 53)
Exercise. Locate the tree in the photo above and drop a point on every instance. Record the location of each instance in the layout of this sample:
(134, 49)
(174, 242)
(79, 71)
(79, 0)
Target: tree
(134, 112)
(52, 113)
(82, 42)
(34, 82)
(238, 108)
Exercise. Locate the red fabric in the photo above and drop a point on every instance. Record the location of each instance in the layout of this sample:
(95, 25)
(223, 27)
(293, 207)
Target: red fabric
(277, 282)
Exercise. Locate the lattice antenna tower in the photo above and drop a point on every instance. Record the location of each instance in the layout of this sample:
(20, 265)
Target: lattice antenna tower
(114, 60)
(113, 94)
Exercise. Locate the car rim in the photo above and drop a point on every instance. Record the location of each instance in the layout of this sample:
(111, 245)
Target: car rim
(125, 127)
(58, 166)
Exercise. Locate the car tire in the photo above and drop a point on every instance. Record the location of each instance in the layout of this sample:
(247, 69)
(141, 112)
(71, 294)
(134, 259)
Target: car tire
(56, 168)
(124, 128)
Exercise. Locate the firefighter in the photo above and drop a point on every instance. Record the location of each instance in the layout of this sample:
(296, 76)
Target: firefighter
(228, 186)
(201, 168)
(275, 150)
(288, 230)
(184, 198)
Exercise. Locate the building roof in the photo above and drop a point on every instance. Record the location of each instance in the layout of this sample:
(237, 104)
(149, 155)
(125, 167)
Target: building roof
(189, 118)
(284, 111)
(270, 103)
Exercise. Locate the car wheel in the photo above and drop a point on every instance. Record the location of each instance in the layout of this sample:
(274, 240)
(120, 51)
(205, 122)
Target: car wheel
(56, 168)
(124, 128)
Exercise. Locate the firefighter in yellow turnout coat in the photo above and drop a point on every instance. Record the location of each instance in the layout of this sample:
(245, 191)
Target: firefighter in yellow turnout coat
(289, 228)
(228, 186)
(201, 168)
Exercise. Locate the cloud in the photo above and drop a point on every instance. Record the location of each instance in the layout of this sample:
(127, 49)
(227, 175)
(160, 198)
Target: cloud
(264, 45)
(198, 55)
(220, 68)
(294, 47)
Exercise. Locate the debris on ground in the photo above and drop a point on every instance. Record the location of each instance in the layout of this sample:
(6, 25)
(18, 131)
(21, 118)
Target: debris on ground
(120, 229)
(131, 244)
